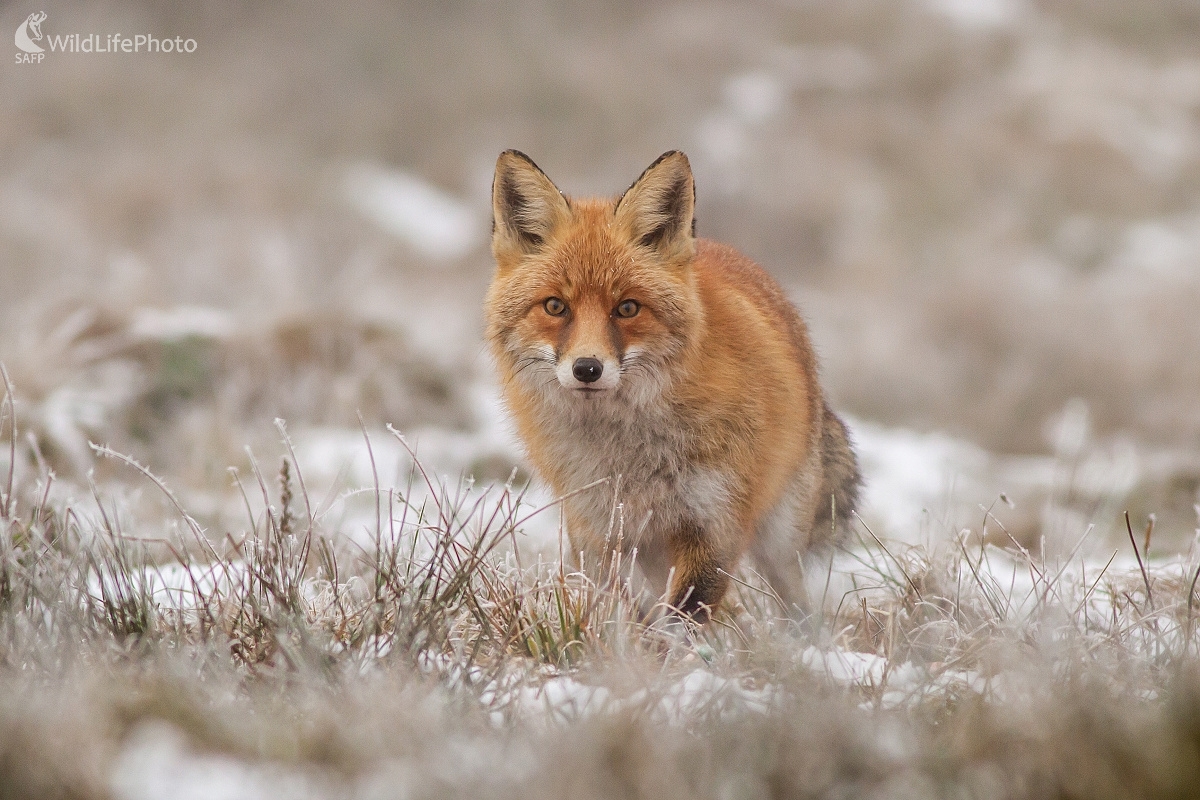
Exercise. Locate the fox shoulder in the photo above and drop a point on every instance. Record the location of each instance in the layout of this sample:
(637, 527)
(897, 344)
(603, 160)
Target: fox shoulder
(725, 275)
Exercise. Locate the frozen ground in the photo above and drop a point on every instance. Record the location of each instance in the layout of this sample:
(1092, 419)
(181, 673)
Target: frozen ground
(934, 606)
(986, 210)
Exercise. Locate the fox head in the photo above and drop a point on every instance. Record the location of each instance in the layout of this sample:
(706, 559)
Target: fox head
(592, 298)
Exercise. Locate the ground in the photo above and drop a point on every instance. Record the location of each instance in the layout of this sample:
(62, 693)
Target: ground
(264, 528)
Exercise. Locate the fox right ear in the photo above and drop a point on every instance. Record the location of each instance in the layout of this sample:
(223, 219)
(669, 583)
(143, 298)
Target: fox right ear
(526, 206)
(657, 210)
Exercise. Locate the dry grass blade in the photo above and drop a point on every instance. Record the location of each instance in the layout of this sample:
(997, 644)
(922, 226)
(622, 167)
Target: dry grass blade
(8, 413)
(895, 560)
(1141, 564)
(194, 526)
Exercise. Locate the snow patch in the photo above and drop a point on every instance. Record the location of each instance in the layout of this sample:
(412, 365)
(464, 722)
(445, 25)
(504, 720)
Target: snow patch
(157, 764)
(980, 14)
(1157, 250)
(181, 322)
(907, 473)
(437, 224)
(562, 698)
(755, 97)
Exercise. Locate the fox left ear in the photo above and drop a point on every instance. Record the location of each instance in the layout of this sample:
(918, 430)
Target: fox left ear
(526, 207)
(657, 211)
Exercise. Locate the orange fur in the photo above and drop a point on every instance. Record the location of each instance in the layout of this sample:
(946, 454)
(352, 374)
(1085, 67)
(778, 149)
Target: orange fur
(699, 400)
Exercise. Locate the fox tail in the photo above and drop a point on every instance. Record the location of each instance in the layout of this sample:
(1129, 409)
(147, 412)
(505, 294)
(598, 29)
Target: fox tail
(841, 482)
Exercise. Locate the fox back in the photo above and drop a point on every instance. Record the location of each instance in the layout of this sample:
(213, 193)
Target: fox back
(663, 385)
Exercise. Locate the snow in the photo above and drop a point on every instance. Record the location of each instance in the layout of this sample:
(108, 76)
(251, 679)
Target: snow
(563, 698)
(157, 764)
(1159, 251)
(907, 473)
(181, 322)
(434, 222)
(701, 689)
(846, 667)
(327, 454)
(755, 97)
(980, 14)
(920, 488)
(339, 456)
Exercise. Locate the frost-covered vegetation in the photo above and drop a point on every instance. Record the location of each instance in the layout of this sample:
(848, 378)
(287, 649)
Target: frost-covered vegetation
(294, 656)
(987, 211)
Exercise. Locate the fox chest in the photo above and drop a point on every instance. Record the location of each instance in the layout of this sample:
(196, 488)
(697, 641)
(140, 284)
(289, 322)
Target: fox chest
(650, 478)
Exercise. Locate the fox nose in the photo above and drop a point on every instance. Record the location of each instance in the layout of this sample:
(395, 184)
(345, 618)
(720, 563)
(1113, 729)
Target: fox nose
(587, 370)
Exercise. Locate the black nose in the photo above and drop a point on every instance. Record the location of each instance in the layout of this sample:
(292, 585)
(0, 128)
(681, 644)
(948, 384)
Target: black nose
(587, 370)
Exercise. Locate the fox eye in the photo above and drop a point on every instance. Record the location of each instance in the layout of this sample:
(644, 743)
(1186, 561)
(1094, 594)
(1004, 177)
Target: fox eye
(555, 307)
(628, 308)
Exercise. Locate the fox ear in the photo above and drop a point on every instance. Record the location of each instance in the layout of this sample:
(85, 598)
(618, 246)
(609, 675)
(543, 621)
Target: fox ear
(526, 206)
(657, 210)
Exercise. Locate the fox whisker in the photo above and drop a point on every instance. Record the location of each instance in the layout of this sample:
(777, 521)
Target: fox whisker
(526, 362)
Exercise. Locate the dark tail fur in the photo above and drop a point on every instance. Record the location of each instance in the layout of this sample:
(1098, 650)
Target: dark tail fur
(839, 489)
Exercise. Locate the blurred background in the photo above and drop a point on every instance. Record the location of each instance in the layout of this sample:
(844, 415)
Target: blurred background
(988, 210)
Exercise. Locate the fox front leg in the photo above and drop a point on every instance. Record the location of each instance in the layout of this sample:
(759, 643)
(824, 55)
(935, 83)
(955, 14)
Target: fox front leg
(699, 571)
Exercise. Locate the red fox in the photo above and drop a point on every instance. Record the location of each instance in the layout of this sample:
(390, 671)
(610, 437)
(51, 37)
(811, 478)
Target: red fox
(628, 349)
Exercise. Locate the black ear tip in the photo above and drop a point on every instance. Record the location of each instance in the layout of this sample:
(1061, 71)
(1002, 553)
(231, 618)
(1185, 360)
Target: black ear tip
(511, 154)
(670, 155)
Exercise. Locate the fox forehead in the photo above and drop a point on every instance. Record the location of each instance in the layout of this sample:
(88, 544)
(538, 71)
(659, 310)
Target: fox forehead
(586, 256)
(584, 253)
